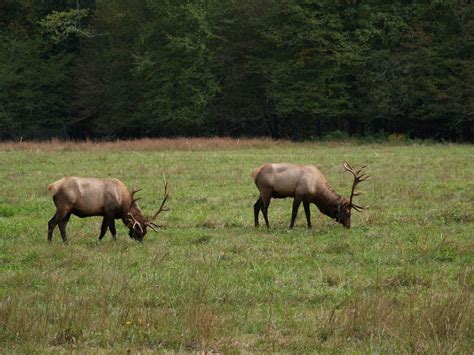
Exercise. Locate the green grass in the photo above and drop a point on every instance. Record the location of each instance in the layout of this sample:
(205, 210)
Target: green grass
(400, 280)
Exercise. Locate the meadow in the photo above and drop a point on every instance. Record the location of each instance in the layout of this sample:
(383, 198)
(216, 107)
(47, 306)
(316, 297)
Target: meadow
(400, 280)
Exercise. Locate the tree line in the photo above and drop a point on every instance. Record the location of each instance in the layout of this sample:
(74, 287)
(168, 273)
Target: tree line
(293, 69)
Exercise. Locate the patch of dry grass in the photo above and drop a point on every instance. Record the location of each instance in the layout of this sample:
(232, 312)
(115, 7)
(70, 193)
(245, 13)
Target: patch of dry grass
(424, 322)
(145, 144)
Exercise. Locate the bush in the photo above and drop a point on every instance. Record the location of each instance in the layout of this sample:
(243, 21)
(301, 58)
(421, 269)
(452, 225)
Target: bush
(336, 136)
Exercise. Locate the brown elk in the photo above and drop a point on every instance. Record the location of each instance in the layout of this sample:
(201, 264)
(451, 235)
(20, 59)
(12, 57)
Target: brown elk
(109, 198)
(306, 184)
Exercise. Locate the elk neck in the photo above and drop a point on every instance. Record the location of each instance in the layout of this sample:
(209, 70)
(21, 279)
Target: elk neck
(327, 201)
(136, 213)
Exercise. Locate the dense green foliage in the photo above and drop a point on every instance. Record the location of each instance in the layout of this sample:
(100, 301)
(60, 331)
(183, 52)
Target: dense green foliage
(280, 68)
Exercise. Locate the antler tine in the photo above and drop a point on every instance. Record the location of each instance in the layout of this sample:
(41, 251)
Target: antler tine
(359, 208)
(361, 178)
(162, 206)
(152, 226)
(134, 191)
(347, 166)
(360, 169)
(135, 222)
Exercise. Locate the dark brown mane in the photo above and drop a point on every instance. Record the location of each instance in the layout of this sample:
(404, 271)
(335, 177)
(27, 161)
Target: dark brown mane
(137, 214)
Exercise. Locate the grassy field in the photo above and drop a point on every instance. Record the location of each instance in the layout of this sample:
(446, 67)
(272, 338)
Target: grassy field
(400, 280)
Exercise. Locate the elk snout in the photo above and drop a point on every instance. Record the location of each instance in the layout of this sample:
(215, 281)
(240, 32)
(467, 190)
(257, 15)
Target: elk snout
(137, 234)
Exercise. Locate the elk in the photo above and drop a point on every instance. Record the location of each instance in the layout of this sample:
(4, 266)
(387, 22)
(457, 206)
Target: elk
(306, 184)
(109, 198)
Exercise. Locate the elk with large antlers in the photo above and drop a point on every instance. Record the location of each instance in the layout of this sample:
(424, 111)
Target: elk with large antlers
(306, 184)
(109, 198)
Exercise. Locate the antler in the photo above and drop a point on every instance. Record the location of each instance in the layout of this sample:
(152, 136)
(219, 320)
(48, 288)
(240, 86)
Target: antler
(152, 225)
(162, 207)
(135, 222)
(358, 177)
(135, 199)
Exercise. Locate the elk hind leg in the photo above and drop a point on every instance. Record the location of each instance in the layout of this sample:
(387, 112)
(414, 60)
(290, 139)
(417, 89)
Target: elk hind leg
(265, 198)
(51, 225)
(256, 210)
(62, 227)
(53, 222)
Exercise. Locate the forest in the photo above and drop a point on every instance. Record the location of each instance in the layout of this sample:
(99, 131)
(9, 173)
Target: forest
(295, 69)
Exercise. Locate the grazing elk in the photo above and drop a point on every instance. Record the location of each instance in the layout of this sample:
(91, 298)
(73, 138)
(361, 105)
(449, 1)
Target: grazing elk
(306, 184)
(109, 198)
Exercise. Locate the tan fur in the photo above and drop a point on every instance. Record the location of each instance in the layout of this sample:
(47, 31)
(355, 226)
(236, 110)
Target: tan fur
(85, 197)
(290, 180)
(305, 183)
(255, 172)
(91, 196)
(53, 187)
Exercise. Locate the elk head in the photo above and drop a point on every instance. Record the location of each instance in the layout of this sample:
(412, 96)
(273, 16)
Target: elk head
(137, 223)
(343, 213)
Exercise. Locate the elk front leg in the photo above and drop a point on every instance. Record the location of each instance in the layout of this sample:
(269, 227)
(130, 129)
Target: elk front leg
(265, 203)
(111, 223)
(51, 225)
(103, 228)
(256, 210)
(294, 212)
(307, 212)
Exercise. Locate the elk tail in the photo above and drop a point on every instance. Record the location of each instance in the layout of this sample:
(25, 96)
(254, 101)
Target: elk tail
(53, 187)
(255, 172)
